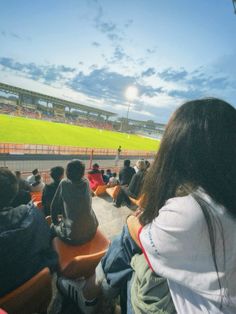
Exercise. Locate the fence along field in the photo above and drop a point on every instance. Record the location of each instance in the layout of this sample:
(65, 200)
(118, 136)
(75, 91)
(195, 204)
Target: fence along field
(29, 131)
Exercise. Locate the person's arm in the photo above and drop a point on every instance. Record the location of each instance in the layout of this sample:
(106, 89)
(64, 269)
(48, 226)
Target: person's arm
(56, 205)
(134, 226)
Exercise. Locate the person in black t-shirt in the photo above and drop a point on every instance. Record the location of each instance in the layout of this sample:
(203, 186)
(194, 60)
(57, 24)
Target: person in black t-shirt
(56, 173)
(126, 173)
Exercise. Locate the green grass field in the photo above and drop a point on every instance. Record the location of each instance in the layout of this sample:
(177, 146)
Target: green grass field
(30, 131)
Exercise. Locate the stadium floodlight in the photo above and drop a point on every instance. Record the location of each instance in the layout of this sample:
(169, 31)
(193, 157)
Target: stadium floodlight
(131, 93)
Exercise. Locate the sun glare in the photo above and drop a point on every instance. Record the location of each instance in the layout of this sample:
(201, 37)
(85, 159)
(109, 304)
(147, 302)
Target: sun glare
(131, 92)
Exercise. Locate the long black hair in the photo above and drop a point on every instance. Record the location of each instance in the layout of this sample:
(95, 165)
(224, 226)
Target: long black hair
(198, 149)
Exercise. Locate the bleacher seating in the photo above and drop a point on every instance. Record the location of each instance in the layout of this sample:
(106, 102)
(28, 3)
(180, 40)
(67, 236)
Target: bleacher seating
(80, 260)
(113, 192)
(100, 190)
(32, 297)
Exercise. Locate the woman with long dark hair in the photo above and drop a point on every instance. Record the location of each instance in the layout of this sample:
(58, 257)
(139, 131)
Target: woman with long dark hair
(189, 233)
(188, 226)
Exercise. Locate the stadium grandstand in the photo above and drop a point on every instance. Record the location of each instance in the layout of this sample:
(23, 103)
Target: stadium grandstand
(22, 102)
(35, 105)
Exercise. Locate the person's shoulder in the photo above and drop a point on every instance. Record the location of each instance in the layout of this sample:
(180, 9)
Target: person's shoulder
(181, 210)
(65, 182)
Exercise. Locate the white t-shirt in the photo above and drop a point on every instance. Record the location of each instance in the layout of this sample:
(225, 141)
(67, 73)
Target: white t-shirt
(31, 179)
(177, 247)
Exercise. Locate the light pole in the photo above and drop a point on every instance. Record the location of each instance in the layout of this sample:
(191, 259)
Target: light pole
(131, 93)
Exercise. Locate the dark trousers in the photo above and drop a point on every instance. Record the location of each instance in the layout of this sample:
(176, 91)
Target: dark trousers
(123, 196)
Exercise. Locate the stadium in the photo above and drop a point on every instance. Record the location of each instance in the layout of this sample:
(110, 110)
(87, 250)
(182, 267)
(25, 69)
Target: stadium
(117, 157)
(65, 130)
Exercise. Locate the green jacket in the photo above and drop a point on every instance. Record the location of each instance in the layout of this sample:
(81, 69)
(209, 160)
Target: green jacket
(149, 292)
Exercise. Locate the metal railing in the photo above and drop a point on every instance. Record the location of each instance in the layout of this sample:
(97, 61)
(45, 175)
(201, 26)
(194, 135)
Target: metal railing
(36, 149)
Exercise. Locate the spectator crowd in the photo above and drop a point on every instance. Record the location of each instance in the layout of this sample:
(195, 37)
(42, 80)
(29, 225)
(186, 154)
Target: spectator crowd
(177, 251)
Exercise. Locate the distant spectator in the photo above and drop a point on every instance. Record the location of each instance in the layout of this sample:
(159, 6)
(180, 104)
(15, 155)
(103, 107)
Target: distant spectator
(118, 156)
(38, 185)
(73, 200)
(57, 174)
(104, 177)
(95, 177)
(113, 181)
(31, 179)
(24, 238)
(126, 173)
(23, 184)
(108, 173)
(134, 187)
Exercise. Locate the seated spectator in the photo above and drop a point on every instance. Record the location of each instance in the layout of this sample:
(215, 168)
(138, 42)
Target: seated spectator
(38, 185)
(23, 196)
(104, 177)
(113, 181)
(134, 188)
(57, 174)
(126, 173)
(95, 177)
(108, 173)
(23, 184)
(124, 272)
(24, 238)
(31, 179)
(73, 201)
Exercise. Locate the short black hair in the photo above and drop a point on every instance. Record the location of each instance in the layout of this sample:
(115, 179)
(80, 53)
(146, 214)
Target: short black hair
(8, 187)
(35, 171)
(38, 178)
(56, 173)
(75, 170)
(95, 165)
(17, 173)
(127, 162)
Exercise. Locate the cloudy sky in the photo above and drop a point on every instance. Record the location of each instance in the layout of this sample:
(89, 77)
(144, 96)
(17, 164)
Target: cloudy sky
(89, 51)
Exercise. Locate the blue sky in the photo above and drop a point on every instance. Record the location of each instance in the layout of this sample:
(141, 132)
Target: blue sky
(89, 51)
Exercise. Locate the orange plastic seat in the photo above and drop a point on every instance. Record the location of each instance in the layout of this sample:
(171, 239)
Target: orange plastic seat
(80, 260)
(113, 192)
(101, 189)
(33, 296)
(138, 202)
(36, 196)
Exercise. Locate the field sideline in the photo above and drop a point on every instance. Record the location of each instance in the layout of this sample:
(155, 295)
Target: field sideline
(31, 131)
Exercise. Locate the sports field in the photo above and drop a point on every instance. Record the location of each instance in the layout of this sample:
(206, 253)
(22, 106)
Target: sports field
(30, 131)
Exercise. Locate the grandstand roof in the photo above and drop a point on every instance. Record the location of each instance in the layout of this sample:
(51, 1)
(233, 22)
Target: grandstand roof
(143, 122)
(54, 100)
